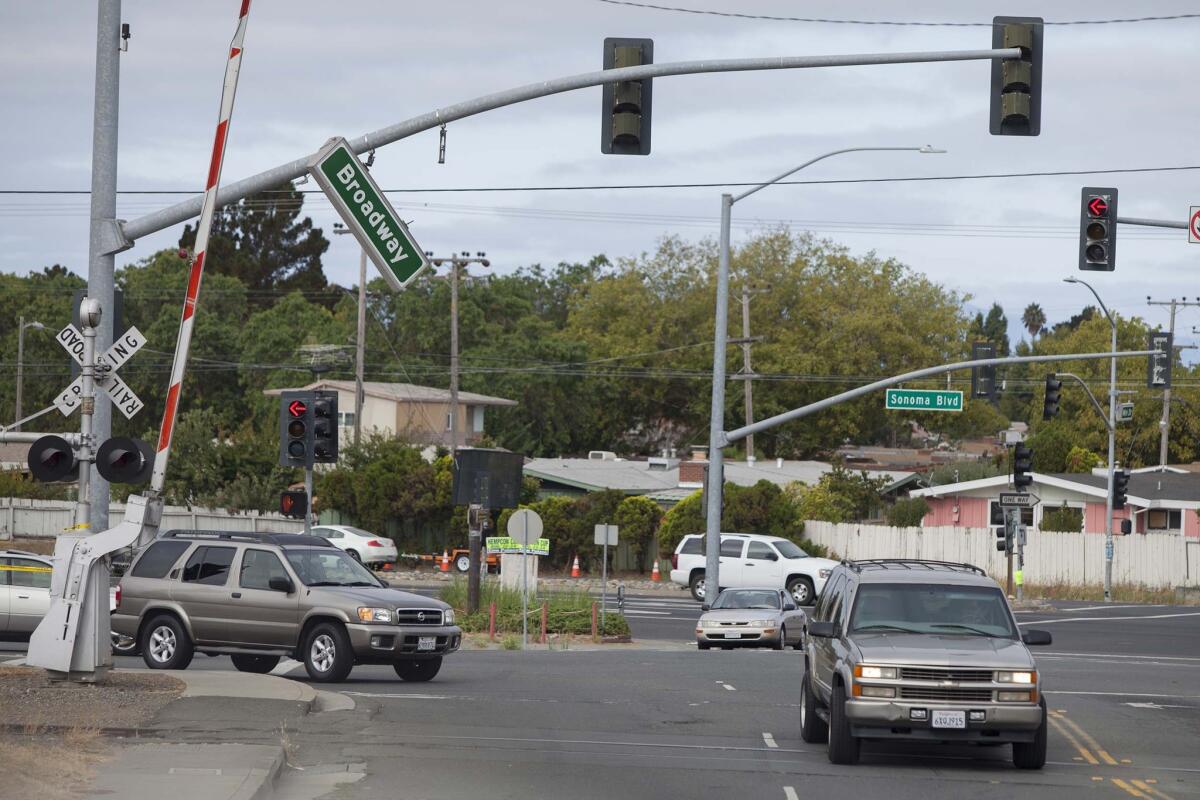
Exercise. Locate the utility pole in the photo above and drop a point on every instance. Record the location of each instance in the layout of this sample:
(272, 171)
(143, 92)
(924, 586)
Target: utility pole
(1165, 424)
(361, 335)
(456, 263)
(747, 373)
(21, 326)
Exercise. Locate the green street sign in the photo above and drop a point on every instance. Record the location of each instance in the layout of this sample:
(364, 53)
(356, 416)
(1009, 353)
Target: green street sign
(364, 209)
(924, 400)
(507, 544)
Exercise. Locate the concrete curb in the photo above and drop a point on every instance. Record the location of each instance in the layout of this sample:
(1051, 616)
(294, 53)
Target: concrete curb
(205, 683)
(260, 783)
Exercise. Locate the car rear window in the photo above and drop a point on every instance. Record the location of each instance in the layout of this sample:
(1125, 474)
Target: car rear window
(158, 558)
(692, 545)
(209, 565)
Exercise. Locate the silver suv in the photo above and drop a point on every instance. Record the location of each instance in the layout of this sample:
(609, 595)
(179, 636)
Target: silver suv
(258, 597)
(924, 650)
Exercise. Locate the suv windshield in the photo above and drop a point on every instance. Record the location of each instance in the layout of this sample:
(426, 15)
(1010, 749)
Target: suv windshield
(941, 609)
(788, 549)
(328, 567)
(747, 598)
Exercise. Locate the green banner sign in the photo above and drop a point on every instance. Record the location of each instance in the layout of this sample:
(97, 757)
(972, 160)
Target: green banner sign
(924, 400)
(507, 544)
(364, 209)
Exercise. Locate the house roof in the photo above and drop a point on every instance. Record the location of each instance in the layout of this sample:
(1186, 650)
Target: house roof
(1146, 489)
(402, 393)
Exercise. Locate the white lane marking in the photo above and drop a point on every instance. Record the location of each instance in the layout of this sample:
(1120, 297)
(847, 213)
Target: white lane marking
(1124, 655)
(790, 794)
(1155, 706)
(411, 696)
(1133, 694)
(728, 687)
(1108, 619)
(770, 740)
(1110, 608)
(286, 666)
(643, 613)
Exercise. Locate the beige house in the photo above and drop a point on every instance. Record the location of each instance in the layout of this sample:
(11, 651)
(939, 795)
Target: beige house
(417, 414)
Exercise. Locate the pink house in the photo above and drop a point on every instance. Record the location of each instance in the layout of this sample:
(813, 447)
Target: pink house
(1159, 502)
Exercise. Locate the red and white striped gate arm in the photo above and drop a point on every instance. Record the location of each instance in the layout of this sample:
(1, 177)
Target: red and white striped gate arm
(183, 343)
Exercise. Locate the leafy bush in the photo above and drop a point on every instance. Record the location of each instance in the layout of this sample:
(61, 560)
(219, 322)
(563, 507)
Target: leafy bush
(907, 512)
(16, 484)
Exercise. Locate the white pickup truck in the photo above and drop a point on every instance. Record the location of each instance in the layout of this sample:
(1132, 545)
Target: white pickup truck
(754, 561)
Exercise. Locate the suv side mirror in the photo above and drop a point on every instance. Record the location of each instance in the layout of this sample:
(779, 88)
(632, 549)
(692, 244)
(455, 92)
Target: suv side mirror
(705, 607)
(280, 583)
(1034, 637)
(823, 630)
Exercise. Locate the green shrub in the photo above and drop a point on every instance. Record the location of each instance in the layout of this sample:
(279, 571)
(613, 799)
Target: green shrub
(907, 512)
(567, 612)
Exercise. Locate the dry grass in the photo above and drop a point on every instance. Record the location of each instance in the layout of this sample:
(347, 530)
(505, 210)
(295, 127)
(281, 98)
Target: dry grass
(50, 767)
(1121, 592)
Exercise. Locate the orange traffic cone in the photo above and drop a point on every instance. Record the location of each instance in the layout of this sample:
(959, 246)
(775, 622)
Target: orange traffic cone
(655, 575)
(445, 561)
(575, 568)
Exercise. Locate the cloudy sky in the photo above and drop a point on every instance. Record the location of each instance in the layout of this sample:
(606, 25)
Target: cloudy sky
(1116, 97)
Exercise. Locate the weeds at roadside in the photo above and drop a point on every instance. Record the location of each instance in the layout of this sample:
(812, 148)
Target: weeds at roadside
(510, 642)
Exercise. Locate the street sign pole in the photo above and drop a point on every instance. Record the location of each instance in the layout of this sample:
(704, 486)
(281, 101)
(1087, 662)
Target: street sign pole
(308, 493)
(1008, 555)
(605, 535)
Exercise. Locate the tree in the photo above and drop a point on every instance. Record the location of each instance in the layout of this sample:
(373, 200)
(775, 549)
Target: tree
(1034, 319)
(1081, 460)
(638, 518)
(995, 329)
(907, 512)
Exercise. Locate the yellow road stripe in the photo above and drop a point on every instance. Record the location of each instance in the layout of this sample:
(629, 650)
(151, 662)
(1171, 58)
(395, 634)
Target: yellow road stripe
(1090, 741)
(1146, 787)
(1130, 789)
(1083, 751)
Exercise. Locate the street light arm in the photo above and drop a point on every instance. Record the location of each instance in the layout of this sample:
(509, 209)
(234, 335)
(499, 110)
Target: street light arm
(812, 161)
(1103, 307)
(1107, 422)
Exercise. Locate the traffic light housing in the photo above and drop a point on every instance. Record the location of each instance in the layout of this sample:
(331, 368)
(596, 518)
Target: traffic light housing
(293, 504)
(325, 427)
(625, 113)
(1098, 229)
(51, 458)
(1120, 488)
(295, 429)
(1016, 99)
(983, 379)
(1053, 392)
(1022, 466)
(997, 514)
(124, 460)
(1004, 534)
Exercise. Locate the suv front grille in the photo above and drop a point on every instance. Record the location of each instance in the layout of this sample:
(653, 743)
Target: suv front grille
(418, 616)
(951, 695)
(941, 674)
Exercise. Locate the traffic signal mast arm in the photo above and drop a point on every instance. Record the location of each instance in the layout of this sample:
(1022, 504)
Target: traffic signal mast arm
(125, 234)
(1099, 409)
(1151, 223)
(729, 437)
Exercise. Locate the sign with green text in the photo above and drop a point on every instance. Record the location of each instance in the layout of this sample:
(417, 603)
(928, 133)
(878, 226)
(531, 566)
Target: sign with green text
(507, 544)
(364, 209)
(924, 400)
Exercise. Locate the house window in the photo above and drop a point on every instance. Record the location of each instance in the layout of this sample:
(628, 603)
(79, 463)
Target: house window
(994, 513)
(1164, 519)
(1062, 518)
(345, 419)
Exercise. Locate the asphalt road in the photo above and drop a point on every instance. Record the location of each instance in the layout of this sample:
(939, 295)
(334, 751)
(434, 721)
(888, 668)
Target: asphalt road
(1123, 684)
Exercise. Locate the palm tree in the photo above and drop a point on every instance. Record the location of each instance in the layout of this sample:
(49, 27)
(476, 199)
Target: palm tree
(1034, 319)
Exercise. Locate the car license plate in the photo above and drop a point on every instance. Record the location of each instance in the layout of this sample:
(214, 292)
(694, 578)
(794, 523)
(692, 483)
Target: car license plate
(430, 642)
(732, 635)
(949, 719)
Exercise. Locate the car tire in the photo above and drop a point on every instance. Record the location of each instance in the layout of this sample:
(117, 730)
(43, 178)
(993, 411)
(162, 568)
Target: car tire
(165, 644)
(801, 590)
(812, 728)
(704, 645)
(782, 643)
(1032, 755)
(327, 654)
(843, 748)
(463, 563)
(260, 665)
(698, 586)
(418, 669)
(354, 554)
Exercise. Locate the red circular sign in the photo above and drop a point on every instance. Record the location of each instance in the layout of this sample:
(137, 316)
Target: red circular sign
(1194, 226)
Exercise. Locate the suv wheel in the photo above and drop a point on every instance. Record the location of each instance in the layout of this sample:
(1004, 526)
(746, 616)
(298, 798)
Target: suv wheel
(418, 669)
(327, 655)
(843, 747)
(165, 644)
(244, 662)
(812, 728)
(697, 585)
(1032, 755)
(801, 590)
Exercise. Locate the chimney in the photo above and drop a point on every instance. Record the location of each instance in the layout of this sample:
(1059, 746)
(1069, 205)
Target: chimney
(699, 453)
(691, 473)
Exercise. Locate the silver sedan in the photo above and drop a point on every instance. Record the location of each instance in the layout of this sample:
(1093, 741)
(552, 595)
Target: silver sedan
(751, 618)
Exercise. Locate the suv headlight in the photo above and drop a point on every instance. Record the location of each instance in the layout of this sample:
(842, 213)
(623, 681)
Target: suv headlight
(875, 673)
(448, 616)
(1026, 678)
(375, 615)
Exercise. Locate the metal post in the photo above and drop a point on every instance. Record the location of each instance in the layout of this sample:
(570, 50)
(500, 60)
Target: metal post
(1112, 453)
(604, 582)
(1008, 553)
(103, 216)
(454, 358)
(749, 388)
(474, 543)
(308, 491)
(361, 349)
(525, 583)
(1166, 415)
(716, 464)
(1020, 543)
(20, 369)
(83, 502)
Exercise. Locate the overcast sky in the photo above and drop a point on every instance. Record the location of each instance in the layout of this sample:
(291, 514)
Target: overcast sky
(1116, 96)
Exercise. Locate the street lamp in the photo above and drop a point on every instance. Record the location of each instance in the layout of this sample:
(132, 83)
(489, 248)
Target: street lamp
(1112, 442)
(721, 328)
(21, 326)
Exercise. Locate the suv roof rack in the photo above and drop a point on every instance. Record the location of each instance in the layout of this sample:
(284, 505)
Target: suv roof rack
(281, 539)
(910, 563)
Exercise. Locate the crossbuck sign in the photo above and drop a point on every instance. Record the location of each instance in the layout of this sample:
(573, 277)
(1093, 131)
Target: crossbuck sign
(107, 364)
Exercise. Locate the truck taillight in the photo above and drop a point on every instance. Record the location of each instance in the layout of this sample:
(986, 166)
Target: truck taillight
(118, 596)
(674, 561)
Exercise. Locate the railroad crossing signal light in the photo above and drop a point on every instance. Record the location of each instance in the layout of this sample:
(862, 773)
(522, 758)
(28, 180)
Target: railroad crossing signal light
(51, 458)
(1120, 488)
(123, 460)
(296, 429)
(1098, 229)
(625, 113)
(1022, 466)
(983, 379)
(293, 504)
(325, 428)
(1016, 101)
(1053, 392)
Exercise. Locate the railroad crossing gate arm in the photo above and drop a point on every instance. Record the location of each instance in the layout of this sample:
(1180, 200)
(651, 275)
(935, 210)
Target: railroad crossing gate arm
(770, 422)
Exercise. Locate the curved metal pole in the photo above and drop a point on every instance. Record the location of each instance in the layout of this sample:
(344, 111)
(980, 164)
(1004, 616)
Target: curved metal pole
(158, 220)
(810, 162)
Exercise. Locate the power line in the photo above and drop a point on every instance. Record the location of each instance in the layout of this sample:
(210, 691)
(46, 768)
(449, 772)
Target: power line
(891, 23)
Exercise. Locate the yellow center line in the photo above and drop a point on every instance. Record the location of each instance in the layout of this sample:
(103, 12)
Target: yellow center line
(1083, 751)
(1130, 789)
(1146, 787)
(1089, 740)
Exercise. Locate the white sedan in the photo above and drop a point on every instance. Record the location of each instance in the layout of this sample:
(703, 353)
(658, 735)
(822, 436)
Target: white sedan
(359, 544)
